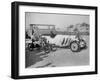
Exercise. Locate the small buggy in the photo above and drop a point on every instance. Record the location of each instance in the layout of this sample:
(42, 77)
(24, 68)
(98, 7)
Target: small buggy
(42, 45)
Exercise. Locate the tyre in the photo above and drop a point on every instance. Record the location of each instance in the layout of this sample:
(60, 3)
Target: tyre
(74, 46)
(30, 47)
(47, 49)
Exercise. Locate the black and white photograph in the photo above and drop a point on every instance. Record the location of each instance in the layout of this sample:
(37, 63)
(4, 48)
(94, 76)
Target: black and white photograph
(51, 40)
(56, 40)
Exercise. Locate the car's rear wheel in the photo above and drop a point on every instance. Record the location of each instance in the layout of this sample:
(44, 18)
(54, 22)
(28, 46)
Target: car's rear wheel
(74, 46)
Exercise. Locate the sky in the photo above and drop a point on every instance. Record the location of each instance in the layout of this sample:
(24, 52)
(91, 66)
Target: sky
(60, 20)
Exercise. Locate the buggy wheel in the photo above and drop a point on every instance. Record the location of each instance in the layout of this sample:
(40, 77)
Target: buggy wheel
(47, 49)
(30, 47)
(74, 46)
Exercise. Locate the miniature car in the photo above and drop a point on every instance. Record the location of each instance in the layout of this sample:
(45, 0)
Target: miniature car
(40, 45)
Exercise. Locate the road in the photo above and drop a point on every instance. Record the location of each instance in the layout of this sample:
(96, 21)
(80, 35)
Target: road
(61, 57)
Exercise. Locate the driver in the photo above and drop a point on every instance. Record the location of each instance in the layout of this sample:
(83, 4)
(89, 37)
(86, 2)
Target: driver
(33, 38)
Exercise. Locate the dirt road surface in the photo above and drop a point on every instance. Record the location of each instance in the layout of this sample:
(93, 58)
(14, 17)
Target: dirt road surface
(61, 57)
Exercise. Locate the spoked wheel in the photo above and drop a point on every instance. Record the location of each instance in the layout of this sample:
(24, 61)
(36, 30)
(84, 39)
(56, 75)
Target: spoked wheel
(47, 49)
(75, 46)
(30, 47)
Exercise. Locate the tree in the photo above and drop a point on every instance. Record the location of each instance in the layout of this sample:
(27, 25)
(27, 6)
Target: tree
(76, 30)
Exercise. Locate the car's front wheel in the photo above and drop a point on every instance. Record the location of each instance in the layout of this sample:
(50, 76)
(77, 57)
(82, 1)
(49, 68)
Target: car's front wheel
(74, 46)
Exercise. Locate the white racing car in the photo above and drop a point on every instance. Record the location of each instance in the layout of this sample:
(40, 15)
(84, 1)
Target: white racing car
(71, 41)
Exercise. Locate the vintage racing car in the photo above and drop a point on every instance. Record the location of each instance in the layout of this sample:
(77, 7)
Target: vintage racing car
(70, 41)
